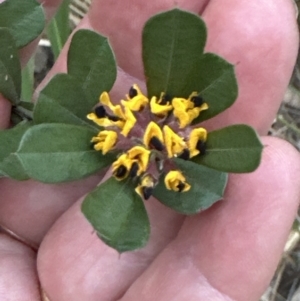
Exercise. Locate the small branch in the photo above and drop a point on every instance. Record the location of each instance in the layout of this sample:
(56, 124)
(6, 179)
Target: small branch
(289, 125)
(22, 113)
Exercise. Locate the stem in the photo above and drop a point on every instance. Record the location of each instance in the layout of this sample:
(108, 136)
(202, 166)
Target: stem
(24, 114)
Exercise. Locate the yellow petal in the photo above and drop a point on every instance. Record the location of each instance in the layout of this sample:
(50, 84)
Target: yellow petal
(204, 107)
(196, 135)
(117, 110)
(98, 146)
(137, 102)
(185, 110)
(105, 99)
(109, 139)
(173, 142)
(180, 106)
(100, 121)
(145, 188)
(92, 116)
(122, 162)
(138, 91)
(130, 121)
(142, 155)
(152, 130)
(157, 108)
(175, 180)
(189, 104)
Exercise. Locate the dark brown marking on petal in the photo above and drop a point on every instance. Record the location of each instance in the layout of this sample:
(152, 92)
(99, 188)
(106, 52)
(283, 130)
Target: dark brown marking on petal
(121, 171)
(100, 112)
(132, 92)
(201, 146)
(180, 186)
(133, 170)
(113, 118)
(165, 99)
(197, 100)
(156, 143)
(185, 155)
(147, 192)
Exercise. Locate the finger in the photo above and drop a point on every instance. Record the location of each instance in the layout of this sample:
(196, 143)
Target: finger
(132, 19)
(230, 251)
(5, 108)
(28, 209)
(261, 39)
(18, 279)
(72, 251)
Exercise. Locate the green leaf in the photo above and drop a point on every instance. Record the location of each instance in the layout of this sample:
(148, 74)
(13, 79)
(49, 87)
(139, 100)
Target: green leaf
(10, 68)
(59, 29)
(173, 44)
(62, 101)
(91, 61)
(207, 187)
(118, 215)
(24, 19)
(9, 164)
(235, 148)
(53, 153)
(217, 85)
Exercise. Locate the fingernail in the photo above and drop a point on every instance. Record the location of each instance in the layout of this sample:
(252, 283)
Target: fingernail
(44, 296)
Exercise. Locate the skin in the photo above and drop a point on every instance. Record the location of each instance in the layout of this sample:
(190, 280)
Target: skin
(228, 252)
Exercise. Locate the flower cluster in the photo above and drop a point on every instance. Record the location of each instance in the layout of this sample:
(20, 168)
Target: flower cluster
(147, 134)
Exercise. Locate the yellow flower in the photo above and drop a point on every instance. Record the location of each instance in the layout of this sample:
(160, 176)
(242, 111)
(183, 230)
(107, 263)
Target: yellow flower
(186, 110)
(102, 118)
(161, 106)
(121, 167)
(197, 141)
(146, 186)
(160, 139)
(140, 154)
(153, 137)
(130, 121)
(174, 180)
(136, 100)
(105, 141)
(175, 144)
(117, 110)
(100, 121)
(133, 163)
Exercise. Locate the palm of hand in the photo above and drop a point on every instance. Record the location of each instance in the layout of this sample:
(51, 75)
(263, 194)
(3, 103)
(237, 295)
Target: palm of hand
(229, 251)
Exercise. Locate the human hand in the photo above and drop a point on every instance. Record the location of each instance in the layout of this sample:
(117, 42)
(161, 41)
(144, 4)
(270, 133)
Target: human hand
(227, 252)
